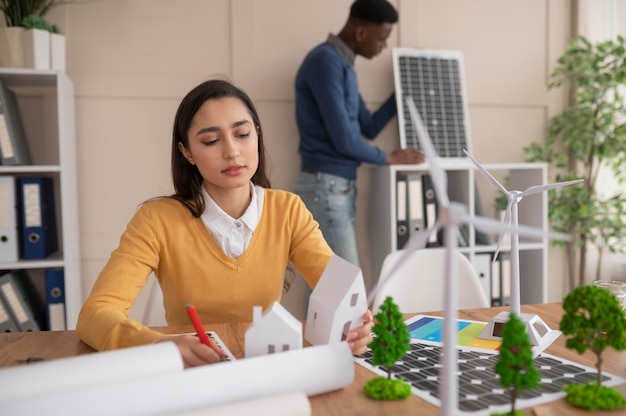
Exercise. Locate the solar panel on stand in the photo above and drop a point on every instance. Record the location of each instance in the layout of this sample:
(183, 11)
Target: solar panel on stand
(435, 80)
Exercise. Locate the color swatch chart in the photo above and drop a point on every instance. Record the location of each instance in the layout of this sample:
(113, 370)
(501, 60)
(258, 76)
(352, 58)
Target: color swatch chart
(430, 328)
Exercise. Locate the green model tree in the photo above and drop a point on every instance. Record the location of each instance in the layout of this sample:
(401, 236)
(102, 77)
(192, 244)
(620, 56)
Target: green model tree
(595, 320)
(515, 365)
(391, 342)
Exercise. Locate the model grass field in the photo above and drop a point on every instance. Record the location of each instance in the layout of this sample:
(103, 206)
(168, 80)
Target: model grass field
(515, 364)
(390, 344)
(594, 320)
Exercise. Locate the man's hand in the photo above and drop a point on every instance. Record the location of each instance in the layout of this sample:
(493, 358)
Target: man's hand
(405, 157)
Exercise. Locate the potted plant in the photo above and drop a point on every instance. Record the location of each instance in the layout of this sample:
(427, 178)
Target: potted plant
(36, 42)
(588, 136)
(52, 40)
(16, 45)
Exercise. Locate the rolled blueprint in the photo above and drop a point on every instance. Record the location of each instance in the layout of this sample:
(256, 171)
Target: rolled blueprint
(288, 404)
(313, 370)
(68, 374)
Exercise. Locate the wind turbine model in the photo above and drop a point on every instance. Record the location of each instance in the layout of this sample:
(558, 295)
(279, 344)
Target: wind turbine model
(541, 336)
(450, 215)
(511, 217)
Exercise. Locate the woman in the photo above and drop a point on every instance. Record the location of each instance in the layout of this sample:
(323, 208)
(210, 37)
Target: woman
(221, 242)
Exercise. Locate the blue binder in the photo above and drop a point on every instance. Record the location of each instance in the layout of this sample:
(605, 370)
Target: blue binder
(37, 217)
(55, 299)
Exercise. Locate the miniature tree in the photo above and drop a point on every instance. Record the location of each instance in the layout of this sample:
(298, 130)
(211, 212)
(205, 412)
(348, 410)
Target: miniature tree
(391, 342)
(595, 320)
(515, 365)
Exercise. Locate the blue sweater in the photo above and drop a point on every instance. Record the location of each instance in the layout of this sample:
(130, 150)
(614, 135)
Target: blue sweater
(332, 116)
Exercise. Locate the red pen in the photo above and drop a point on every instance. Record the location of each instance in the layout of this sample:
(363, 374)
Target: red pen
(195, 320)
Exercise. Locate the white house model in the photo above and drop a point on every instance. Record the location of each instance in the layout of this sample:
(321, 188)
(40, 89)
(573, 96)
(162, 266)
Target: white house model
(337, 305)
(276, 330)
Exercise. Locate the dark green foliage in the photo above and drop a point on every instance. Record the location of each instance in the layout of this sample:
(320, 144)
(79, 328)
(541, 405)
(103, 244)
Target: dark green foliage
(390, 344)
(16, 10)
(392, 338)
(36, 22)
(515, 365)
(589, 134)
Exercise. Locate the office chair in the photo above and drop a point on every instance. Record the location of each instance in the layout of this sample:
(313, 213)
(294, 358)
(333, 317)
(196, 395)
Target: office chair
(154, 314)
(418, 285)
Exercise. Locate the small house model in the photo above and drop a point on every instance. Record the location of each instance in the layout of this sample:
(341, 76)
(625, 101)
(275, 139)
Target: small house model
(337, 305)
(274, 331)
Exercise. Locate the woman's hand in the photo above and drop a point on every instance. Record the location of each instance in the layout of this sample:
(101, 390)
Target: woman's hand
(194, 352)
(360, 338)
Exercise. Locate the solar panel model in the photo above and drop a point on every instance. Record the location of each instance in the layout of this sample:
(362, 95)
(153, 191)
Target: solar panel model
(435, 80)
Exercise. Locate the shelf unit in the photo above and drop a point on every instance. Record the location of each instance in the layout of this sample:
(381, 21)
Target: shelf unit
(462, 179)
(46, 102)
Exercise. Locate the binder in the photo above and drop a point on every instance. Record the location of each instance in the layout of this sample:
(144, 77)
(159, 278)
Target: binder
(505, 274)
(37, 217)
(416, 203)
(9, 240)
(14, 297)
(480, 237)
(402, 223)
(501, 280)
(496, 283)
(13, 147)
(7, 324)
(55, 299)
(482, 264)
(430, 210)
(462, 236)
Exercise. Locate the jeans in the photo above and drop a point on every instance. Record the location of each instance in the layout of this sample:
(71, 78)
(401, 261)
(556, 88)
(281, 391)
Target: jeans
(331, 200)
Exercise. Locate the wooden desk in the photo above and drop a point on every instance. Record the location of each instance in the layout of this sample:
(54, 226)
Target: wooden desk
(15, 348)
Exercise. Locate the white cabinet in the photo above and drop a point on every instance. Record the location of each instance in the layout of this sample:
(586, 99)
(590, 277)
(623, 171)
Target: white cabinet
(462, 180)
(46, 103)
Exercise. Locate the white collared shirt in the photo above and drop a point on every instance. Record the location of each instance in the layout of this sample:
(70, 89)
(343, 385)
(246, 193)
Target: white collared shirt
(233, 235)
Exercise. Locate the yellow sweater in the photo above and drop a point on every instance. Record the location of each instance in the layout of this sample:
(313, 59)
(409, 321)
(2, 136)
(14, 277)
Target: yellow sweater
(164, 238)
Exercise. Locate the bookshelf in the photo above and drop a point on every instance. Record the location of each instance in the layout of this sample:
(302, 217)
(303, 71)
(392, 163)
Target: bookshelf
(46, 103)
(462, 177)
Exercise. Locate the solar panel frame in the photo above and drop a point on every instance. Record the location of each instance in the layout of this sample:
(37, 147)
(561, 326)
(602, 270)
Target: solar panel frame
(436, 82)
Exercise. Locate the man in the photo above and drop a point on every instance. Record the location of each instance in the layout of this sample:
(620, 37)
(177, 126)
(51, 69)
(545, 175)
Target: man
(332, 116)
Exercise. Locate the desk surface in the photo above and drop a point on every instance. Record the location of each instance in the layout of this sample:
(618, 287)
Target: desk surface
(15, 348)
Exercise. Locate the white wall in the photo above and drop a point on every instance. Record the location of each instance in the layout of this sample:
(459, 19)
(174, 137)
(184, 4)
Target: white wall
(133, 60)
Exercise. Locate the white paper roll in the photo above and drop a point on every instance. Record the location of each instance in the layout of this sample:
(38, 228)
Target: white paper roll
(290, 404)
(312, 370)
(68, 374)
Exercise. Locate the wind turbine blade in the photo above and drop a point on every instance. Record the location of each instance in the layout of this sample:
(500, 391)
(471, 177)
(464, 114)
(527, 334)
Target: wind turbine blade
(439, 176)
(419, 240)
(416, 242)
(535, 189)
(487, 175)
(532, 232)
(507, 221)
(491, 226)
